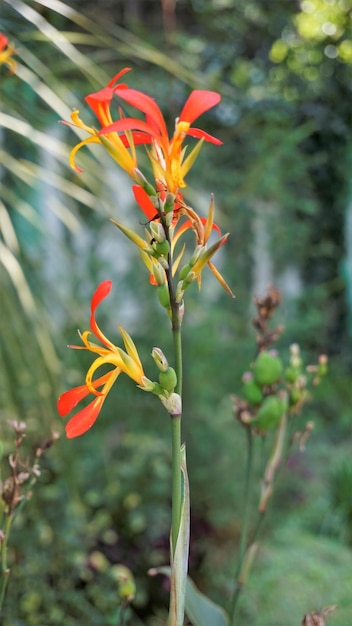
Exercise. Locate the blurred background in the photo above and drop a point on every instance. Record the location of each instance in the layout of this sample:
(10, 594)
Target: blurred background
(283, 189)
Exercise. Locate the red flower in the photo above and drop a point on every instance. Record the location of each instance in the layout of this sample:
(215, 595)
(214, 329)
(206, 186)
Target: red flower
(168, 156)
(108, 354)
(120, 146)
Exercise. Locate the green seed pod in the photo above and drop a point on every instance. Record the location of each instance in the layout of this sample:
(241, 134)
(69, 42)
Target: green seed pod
(267, 369)
(270, 413)
(1, 449)
(291, 374)
(168, 379)
(163, 295)
(252, 392)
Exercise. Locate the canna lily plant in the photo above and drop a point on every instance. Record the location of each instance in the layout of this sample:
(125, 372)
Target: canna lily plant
(173, 266)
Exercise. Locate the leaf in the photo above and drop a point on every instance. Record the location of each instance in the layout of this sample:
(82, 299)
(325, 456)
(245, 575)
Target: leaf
(179, 565)
(201, 610)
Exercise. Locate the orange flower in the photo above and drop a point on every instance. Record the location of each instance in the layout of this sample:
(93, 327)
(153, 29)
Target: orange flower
(108, 354)
(168, 156)
(7, 50)
(120, 146)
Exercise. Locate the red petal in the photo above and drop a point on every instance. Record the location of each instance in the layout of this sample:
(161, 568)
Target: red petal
(129, 123)
(99, 98)
(144, 202)
(3, 41)
(83, 420)
(147, 105)
(138, 138)
(70, 398)
(198, 102)
(100, 293)
(114, 80)
(201, 134)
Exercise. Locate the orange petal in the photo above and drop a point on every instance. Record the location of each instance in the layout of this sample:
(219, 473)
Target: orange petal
(70, 398)
(198, 102)
(100, 293)
(84, 419)
(114, 80)
(144, 202)
(147, 105)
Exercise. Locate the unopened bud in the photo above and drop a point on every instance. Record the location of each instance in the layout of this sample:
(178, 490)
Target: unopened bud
(195, 255)
(143, 182)
(163, 262)
(191, 276)
(169, 204)
(162, 248)
(158, 231)
(323, 365)
(159, 273)
(163, 295)
(173, 404)
(179, 292)
(168, 379)
(184, 271)
(160, 359)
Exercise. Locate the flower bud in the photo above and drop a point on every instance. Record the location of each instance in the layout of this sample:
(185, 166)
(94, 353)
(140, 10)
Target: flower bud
(159, 273)
(142, 181)
(267, 368)
(295, 360)
(163, 262)
(173, 404)
(184, 271)
(191, 276)
(163, 295)
(169, 204)
(160, 359)
(179, 292)
(196, 255)
(168, 379)
(158, 231)
(162, 248)
(322, 365)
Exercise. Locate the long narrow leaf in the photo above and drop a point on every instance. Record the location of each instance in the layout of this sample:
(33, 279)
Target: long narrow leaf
(201, 610)
(179, 564)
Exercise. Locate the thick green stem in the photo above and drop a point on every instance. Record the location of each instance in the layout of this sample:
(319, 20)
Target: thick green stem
(175, 421)
(244, 529)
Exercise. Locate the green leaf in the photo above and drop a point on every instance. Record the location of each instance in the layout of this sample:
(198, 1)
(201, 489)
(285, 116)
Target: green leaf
(201, 610)
(179, 564)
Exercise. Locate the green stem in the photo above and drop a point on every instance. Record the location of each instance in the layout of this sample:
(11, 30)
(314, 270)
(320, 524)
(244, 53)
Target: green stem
(244, 529)
(176, 432)
(175, 421)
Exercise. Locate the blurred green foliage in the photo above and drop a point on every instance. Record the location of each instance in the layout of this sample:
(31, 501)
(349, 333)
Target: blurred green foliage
(283, 70)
